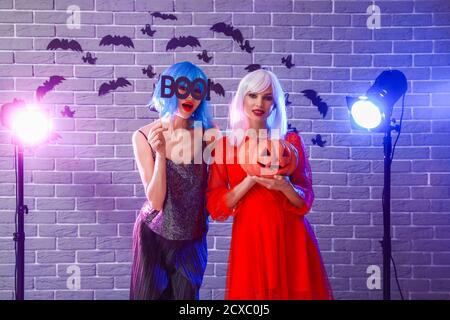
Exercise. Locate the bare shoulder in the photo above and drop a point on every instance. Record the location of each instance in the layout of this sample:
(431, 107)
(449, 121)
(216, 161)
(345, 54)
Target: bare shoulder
(138, 136)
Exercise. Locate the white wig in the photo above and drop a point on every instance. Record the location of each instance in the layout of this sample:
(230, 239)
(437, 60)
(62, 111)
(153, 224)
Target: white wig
(258, 81)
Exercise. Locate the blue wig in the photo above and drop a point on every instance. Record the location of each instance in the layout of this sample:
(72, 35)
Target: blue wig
(168, 106)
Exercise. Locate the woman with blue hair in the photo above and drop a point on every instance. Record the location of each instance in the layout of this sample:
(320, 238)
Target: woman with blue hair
(169, 236)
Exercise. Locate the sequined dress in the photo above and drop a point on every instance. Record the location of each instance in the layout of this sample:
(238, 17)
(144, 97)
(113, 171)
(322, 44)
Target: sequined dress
(169, 246)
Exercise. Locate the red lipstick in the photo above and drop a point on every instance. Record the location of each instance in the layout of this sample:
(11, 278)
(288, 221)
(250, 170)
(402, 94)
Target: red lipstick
(187, 106)
(258, 112)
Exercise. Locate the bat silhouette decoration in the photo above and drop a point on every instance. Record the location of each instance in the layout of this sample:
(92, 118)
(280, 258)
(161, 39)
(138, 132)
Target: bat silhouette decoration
(163, 16)
(253, 67)
(67, 112)
(89, 58)
(64, 44)
(318, 141)
(286, 100)
(217, 88)
(316, 101)
(148, 30)
(246, 47)
(204, 56)
(48, 85)
(228, 30)
(148, 71)
(287, 61)
(112, 85)
(117, 41)
(292, 128)
(182, 42)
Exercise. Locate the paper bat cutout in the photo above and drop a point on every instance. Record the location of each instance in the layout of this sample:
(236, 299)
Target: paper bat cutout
(112, 85)
(292, 128)
(148, 71)
(89, 58)
(47, 86)
(117, 41)
(287, 61)
(316, 101)
(286, 100)
(246, 47)
(318, 141)
(64, 44)
(148, 30)
(67, 112)
(217, 88)
(163, 16)
(152, 108)
(182, 42)
(204, 56)
(253, 67)
(228, 30)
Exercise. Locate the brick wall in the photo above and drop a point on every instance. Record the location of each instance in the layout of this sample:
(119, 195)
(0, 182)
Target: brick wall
(83, 190)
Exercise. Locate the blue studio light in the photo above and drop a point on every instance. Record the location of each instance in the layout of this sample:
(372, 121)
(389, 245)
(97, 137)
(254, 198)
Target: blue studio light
(371, 111)
(366, 114)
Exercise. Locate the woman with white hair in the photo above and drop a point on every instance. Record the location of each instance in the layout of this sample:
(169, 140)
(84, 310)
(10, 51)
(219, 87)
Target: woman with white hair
(274, 252)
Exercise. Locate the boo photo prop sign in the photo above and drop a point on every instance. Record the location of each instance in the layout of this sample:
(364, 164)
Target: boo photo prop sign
(182, 87)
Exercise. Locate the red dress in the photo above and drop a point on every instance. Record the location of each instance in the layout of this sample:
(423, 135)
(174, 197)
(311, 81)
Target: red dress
(274, 252)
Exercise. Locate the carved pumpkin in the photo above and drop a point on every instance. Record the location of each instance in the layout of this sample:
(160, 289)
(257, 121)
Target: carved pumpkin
(267, 158)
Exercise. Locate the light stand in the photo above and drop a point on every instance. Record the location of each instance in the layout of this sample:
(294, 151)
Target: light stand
(30, 126)
(388, 88)
(386, 242)
(19, 235)
(386, 199)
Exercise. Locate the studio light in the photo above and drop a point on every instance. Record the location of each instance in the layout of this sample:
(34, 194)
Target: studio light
(373, 112)
(30, 126)
(366, 114)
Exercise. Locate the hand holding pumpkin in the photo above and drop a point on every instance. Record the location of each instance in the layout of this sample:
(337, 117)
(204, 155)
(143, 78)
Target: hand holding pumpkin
(279, 182)
(268, 158)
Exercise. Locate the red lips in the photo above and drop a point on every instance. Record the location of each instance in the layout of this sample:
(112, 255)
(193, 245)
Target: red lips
(258, 112)
(187, 106)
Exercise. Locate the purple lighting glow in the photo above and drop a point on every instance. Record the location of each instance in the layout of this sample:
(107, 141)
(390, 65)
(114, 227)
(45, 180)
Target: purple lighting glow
(30, 125)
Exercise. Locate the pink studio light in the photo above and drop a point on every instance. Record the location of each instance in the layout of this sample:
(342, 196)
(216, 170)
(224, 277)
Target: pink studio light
(30, 125)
